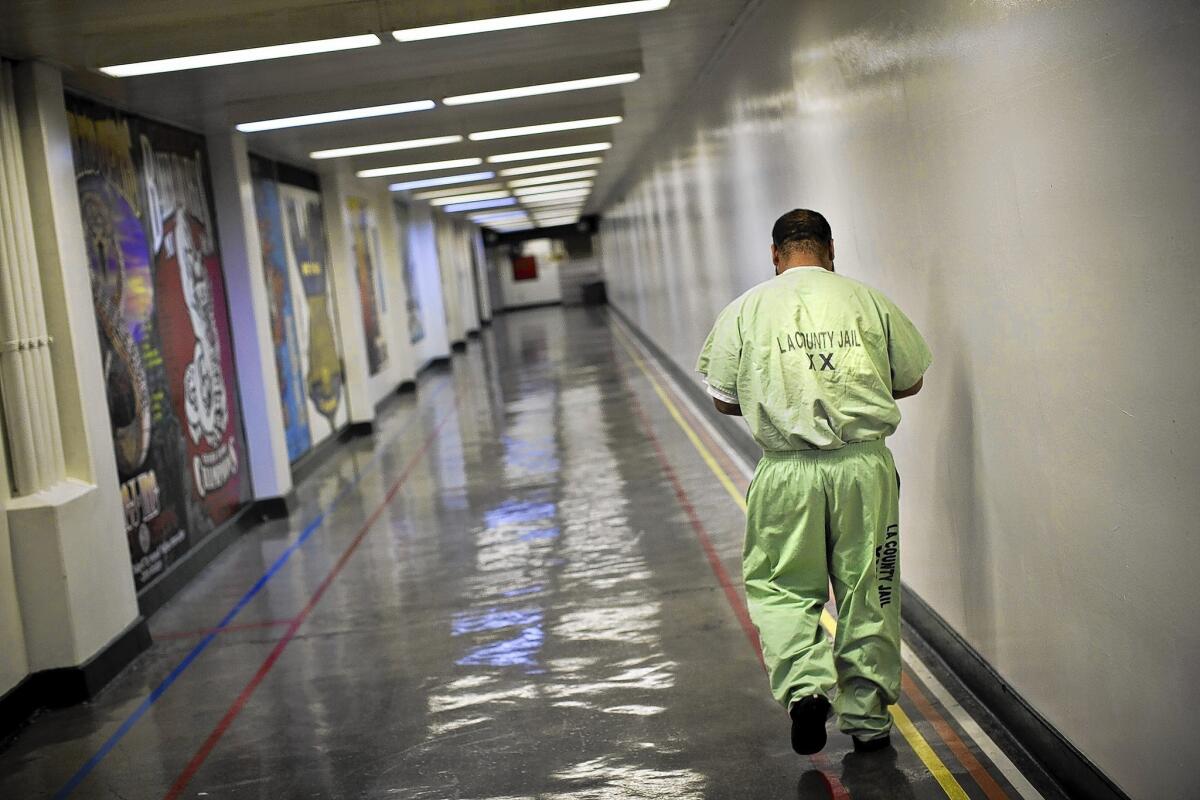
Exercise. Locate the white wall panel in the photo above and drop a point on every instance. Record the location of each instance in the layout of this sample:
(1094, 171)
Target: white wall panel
(1022, 178)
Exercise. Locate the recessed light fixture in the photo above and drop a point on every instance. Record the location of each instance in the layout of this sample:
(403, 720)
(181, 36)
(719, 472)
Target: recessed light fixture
(529, 155)
(555, 195)
(541, 88)
(475, 206)
(384, 147)
(479, 187)
(468, 198)
(553, 223)
(499, 216)
(444, 181)
(539, 190)
(529, 20)
(428, 166)
(575, 162)
(240, 56)
(550, 127)
(556, 207)
(562, 176)
(336, 116)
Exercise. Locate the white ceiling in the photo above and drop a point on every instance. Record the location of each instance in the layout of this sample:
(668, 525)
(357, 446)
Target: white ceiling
(669, 47)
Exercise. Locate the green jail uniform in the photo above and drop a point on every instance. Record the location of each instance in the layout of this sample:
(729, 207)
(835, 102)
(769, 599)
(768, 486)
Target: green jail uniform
(812, 358)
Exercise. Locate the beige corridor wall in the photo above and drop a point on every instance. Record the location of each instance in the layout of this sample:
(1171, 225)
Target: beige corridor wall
(1022, 178)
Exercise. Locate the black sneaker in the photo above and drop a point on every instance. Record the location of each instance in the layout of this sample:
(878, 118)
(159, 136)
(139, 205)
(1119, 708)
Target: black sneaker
(808, 724)
(872, 745)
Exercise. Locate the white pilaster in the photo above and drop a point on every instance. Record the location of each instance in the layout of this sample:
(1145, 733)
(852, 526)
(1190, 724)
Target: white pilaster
(70, 555)
(249, 313)
(336, 184)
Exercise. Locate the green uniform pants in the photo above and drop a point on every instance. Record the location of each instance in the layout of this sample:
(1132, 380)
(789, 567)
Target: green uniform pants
(816, 517)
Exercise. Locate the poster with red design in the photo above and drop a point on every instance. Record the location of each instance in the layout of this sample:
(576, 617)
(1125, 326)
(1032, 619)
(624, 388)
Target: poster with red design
(165, 342)
(364, 245)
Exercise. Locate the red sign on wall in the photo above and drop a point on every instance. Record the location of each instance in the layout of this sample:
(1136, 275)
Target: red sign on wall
(524, 268)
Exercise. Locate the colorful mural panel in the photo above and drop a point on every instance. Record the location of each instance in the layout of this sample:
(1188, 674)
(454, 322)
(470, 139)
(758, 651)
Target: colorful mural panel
(166, 348)
(295, 262)
(364, 243)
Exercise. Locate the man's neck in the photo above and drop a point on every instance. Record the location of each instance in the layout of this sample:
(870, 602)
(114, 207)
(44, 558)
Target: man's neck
(803, 265)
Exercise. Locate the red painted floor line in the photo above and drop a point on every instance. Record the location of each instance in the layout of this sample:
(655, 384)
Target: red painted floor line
(244, 626)
(239, 703)
(836, 790)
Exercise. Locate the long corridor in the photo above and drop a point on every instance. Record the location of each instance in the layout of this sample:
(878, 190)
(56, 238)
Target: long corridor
(525, 584)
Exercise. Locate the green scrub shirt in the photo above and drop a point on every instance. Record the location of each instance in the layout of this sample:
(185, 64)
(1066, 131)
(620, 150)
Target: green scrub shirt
(813, 358)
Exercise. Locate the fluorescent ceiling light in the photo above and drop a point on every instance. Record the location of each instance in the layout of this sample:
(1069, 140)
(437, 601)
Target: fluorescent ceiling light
(557, 207)
(479, 187)
(499, 216)
(507, 201)
(575, 162)
(513, 226)
(240, 56)
(529, 20)
(550, 210)
(562, 176)
(537, 190)
(534, 198)
(336, 116)
(550, 127)
(428, 166)
(468, 198)
(543, 88)
(444, 181)
(529, 155)
(384, 147)
(553, 223)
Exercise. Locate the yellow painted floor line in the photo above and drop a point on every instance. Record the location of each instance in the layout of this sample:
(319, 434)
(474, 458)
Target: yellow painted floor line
(916, 741)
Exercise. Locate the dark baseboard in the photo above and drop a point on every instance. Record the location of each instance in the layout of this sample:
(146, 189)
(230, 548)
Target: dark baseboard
(441, 362)
(65, 686)
(156, 594)
(361, 428)
(529, 306)
(274, 507)
(1071, 769)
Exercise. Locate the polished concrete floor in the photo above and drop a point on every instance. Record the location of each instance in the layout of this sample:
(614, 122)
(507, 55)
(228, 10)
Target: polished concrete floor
(519, 587)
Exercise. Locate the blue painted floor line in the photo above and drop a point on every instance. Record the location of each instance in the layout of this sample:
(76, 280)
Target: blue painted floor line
(84, 771)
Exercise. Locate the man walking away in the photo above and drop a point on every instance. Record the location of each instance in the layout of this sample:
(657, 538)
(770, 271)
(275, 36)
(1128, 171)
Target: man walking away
(815, 363)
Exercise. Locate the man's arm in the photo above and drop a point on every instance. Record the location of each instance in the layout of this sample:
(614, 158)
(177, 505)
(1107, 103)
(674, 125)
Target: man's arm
(732, 409)
(900, 394)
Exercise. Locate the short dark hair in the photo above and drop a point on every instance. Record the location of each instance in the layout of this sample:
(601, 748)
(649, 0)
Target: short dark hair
(802, 229)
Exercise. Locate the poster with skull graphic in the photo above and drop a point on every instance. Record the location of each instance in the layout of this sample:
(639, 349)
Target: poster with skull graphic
(166, 347)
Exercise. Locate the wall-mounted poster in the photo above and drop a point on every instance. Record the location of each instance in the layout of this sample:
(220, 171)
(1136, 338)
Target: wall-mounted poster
(307, 353)
(412, 291)
(284, 337)
(364, 241)
(166, 349)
